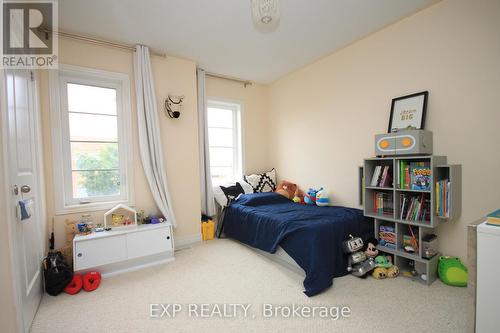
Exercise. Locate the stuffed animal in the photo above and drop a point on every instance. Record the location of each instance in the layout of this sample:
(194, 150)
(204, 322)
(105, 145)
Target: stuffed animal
(310, 197)
(379, 273)
(370, 247)
(287, 189)
(452, 271)
(322, 197)
(67, 249)
(298, 196)
(357, 264)
(393, 271)
(383, 261)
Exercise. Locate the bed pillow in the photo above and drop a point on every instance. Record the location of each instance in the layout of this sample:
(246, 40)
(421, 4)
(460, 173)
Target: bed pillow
(226, 194)
(263, 182)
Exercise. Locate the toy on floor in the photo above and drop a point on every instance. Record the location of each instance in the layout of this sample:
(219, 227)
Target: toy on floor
(310, 197)
(379, 273)
(370, 247)
(91, 281)
(75, 285)
(383, 261)
(393, 271)
(67, 249)
(358, 263)
(322, 197)
(452, 272)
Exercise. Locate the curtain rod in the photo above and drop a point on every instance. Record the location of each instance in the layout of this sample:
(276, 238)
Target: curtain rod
(230, 78)
(129, 47)
(99, 41)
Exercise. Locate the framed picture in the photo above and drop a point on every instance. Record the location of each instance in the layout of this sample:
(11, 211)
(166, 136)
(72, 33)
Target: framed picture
(408, 111)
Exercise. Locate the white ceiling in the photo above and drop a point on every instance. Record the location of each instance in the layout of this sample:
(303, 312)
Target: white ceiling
(219, 34)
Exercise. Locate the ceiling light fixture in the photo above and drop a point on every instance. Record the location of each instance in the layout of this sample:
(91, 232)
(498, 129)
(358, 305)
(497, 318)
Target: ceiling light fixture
(266, 15)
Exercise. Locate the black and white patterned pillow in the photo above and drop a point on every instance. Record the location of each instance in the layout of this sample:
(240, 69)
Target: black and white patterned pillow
(225, 195)
(264, 182)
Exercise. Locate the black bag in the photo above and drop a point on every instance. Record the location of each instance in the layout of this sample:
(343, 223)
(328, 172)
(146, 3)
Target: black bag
(56, 272)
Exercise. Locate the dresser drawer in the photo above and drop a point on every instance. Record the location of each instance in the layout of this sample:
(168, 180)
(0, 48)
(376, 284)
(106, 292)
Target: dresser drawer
(144, 243)
(101, 251)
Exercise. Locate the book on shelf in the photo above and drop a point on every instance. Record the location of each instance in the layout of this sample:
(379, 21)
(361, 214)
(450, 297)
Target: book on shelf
(415, 175)
(387, 236)
(493, 218)
(381, 176)
(383, 203)
(414, 207)
(443, 198)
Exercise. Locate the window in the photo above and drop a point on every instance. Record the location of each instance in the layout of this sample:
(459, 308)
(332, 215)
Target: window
(224, 140)
(93, 124)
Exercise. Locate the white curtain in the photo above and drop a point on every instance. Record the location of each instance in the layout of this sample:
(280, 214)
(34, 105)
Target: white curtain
(149, 133)
(207, 194)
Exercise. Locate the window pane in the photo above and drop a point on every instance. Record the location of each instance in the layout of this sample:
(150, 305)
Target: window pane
(221, 157)
(221, 175)
(90, 127)
(83, 98)
(220, 137)
(95, 183)
(220, 118)
(94, 156)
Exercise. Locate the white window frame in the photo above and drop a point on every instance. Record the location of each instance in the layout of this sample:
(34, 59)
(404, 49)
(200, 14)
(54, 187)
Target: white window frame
(237, 108)
(61, 149)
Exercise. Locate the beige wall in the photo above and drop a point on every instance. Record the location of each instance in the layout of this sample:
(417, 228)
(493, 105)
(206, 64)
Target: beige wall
(179, 136)
(254, 119)
(324, 116)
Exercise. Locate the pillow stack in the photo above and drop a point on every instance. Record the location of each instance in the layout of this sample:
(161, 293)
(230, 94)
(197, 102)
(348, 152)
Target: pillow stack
(255, 183)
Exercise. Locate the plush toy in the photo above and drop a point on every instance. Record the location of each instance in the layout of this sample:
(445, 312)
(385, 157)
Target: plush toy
(379, 273)
(370, 247)
(310, 197)
(393, 271)
(67, 249)
(322, 197)
(452, 271)
(383, 261)
(298, 196)
(287, 189)
(357, 264)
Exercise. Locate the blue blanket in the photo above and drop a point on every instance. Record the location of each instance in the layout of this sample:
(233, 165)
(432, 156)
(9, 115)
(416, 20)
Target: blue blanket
(311, 235)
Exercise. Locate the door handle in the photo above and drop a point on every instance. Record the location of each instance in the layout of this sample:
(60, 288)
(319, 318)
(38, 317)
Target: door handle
(15, 189)
(25, 189)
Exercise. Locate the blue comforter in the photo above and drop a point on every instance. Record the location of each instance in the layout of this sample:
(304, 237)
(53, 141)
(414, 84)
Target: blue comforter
(311, 235)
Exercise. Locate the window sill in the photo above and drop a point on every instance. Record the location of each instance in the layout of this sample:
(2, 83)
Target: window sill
(91, 207)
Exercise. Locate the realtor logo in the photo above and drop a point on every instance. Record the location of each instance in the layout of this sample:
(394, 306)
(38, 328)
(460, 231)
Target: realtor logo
(29, 34)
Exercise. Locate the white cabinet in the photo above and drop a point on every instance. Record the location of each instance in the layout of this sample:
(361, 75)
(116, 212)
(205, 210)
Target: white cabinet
(488, 271)
(100, 251)
(124, 249)
(148, 242)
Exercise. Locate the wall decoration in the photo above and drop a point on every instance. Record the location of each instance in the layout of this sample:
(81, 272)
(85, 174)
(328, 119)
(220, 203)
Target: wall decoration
(408, 112)
(173, 105)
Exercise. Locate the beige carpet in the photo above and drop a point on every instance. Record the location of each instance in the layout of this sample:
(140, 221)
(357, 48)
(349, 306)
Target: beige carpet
(223, 271)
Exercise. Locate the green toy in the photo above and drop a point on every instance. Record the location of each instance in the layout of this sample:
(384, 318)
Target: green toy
(452, 271)
(383, 261)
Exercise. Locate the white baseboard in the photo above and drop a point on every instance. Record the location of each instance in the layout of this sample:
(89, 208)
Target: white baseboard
(186, 241)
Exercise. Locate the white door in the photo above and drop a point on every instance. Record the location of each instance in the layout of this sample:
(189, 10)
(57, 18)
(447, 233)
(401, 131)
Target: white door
(23, 171)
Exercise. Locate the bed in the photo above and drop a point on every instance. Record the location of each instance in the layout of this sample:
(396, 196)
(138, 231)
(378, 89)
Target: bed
(311, 235)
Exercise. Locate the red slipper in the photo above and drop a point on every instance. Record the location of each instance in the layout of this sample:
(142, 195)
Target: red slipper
(75, 285)
(91, 281)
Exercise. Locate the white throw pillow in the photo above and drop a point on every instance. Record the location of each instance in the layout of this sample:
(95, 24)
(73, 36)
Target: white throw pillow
(264, 182)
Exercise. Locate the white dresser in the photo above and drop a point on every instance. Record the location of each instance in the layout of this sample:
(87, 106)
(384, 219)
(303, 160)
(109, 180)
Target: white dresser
(123, 249)
(488, 271)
